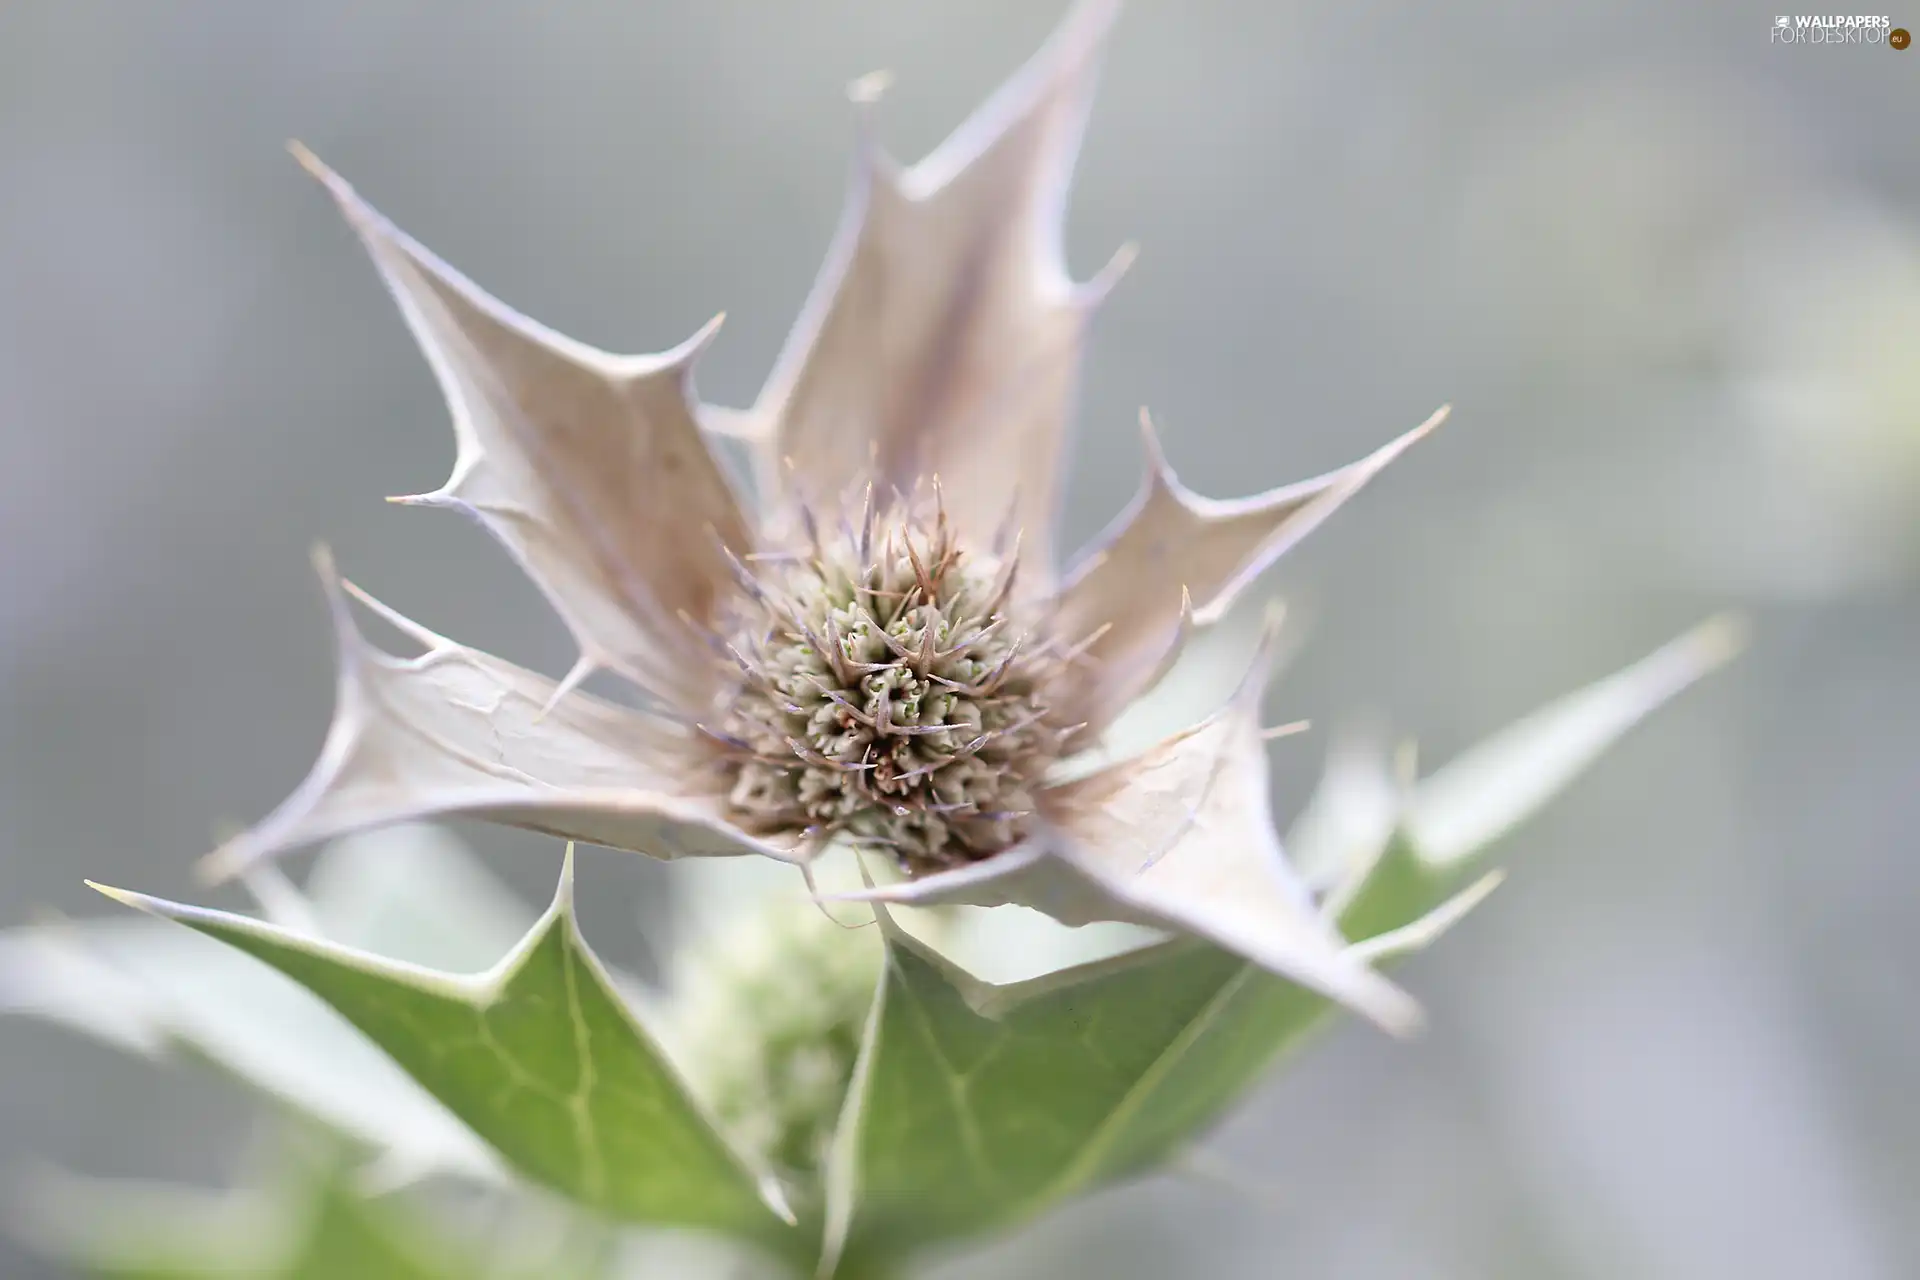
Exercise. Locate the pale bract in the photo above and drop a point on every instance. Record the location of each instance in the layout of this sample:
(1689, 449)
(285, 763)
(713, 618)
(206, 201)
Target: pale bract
(883, 649)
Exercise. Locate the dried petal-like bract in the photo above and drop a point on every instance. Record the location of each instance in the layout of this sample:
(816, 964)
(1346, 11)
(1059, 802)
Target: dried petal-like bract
(1173, 549)
(589, 467)
(457, 731)
(944, 334)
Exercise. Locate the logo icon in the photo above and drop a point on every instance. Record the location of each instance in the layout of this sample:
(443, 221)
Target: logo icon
(1838, 29)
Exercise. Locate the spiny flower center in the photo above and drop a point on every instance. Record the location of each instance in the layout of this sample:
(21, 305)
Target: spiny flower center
(888, 697)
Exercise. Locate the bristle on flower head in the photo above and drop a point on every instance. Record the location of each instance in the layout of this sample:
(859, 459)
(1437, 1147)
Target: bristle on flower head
(885, 694)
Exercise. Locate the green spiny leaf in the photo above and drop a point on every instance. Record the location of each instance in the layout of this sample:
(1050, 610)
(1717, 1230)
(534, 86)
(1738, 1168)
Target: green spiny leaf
(1491, 788)
(542, 1058)
(146, 986)
(1451, 820)
(980, 1106)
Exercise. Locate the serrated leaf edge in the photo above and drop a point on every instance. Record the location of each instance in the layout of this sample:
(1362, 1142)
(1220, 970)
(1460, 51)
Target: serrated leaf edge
(480, 989)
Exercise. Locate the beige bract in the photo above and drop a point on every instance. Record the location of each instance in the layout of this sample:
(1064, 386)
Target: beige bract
(882, 652)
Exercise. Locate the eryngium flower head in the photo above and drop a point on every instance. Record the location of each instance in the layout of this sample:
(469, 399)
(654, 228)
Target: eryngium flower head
(889, 696)
(882, 651)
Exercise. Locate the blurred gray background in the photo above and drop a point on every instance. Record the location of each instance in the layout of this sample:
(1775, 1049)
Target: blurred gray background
(1668, 274)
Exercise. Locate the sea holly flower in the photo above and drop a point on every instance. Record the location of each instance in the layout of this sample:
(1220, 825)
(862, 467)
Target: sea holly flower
(877, 663)
(884, 650)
